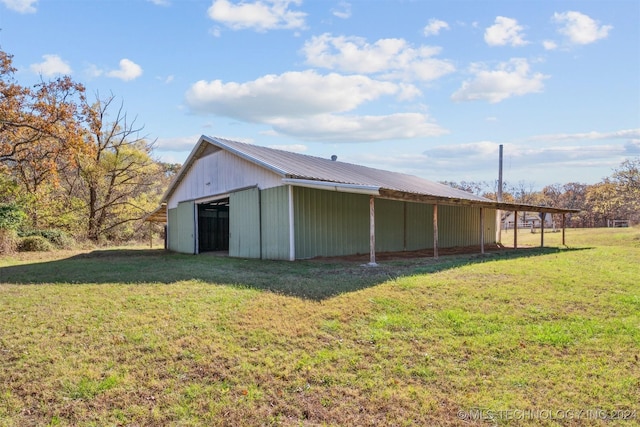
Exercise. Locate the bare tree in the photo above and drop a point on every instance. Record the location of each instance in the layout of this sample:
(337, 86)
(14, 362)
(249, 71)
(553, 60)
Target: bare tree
(115, 171)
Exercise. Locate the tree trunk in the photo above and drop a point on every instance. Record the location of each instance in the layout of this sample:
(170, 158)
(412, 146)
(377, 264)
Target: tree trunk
(92, 226)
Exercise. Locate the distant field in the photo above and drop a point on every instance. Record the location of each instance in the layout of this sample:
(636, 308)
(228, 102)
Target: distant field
(542, 336)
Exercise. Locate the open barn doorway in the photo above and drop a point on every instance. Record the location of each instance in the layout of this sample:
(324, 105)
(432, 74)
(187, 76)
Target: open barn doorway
(213, 226)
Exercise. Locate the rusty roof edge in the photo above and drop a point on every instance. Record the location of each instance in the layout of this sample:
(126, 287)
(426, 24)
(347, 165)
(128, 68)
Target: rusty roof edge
(426, 198)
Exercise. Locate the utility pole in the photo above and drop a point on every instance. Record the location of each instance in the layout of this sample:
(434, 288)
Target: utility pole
(499, 197)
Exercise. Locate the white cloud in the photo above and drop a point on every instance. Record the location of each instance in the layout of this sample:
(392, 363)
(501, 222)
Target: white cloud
(630, 134)
(160, 2)
(434, 27)
(521, 160)
(505, 31)
(392, 56)
(549, 45)
(310, 106)
(185, 143)
(580, 28)
(21, 6)
(354, 128)
(93, 71)
(292, 94)
(261, 15)
(633, 147)
(343, 11)
(473, 149)
(512, 78)
(128, 70)
(51, 66)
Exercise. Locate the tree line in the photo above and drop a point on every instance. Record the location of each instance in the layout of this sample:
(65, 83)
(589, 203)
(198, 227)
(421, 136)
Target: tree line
(616, 197)
(71, 164)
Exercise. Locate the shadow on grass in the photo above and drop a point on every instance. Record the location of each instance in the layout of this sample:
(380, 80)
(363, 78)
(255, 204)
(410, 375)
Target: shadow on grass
(311, 279)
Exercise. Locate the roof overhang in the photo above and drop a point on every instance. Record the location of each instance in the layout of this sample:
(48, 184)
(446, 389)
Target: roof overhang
(333, 186)
(159, 215)
(424, 198)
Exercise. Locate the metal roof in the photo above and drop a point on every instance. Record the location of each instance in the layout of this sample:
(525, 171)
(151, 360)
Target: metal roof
(302, 166)
(350, 177)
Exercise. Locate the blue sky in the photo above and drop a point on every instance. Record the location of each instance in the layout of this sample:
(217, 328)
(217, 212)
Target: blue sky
(430, 88)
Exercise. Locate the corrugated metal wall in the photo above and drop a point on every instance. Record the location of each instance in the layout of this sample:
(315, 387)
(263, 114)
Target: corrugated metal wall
(330, 223)
(390, 225)
(172, 229)
(275, 223)
(460, 226)
(419, 226)
(244, 223)
(181, 228)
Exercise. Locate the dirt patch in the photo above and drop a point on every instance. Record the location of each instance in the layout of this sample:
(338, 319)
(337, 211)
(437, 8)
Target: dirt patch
(424, 253)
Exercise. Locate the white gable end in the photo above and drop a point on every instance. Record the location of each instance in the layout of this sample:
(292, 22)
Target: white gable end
(218, 173)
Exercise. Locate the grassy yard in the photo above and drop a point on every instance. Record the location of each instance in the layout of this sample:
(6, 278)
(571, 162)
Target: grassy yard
(142, 337)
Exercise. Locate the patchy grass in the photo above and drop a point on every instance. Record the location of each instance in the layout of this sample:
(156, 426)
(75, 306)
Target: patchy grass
(141, 337)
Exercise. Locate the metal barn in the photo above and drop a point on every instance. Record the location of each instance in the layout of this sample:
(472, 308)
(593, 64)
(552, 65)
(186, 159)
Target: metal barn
(258, 202)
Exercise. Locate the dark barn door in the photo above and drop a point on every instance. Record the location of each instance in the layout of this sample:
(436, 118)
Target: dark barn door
(213, 226)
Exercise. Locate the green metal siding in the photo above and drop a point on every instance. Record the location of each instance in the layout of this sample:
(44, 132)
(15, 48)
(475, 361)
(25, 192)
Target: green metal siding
(181, 228)
(419, 226)
(330, 223)
(244, 224)
(172, 229)
(389, 218)
(409, 225)
(275, 223)
(460, 226)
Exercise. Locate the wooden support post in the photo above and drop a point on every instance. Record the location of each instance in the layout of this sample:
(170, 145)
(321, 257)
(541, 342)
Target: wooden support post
(563, 225)
(515, 230)
(372, 232)
(292, 228)
(482, 231)
(542, 229)
(435, 231)
(150, 236)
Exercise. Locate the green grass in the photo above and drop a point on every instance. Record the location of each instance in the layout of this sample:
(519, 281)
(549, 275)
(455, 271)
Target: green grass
(142, 337)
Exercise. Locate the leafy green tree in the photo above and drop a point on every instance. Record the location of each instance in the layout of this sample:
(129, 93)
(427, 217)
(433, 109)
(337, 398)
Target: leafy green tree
(11, 216)
(627, 181)
(604, 202)
(40, 130)
(116, 173)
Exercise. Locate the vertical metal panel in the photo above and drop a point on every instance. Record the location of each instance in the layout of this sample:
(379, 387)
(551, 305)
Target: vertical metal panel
(182, 228)
(490, 227)
(389, 225)
(330, 223)
(219, 173)
(460, 226)
(419, 226)
(172, 229)
(275, 223)
(244, 224)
